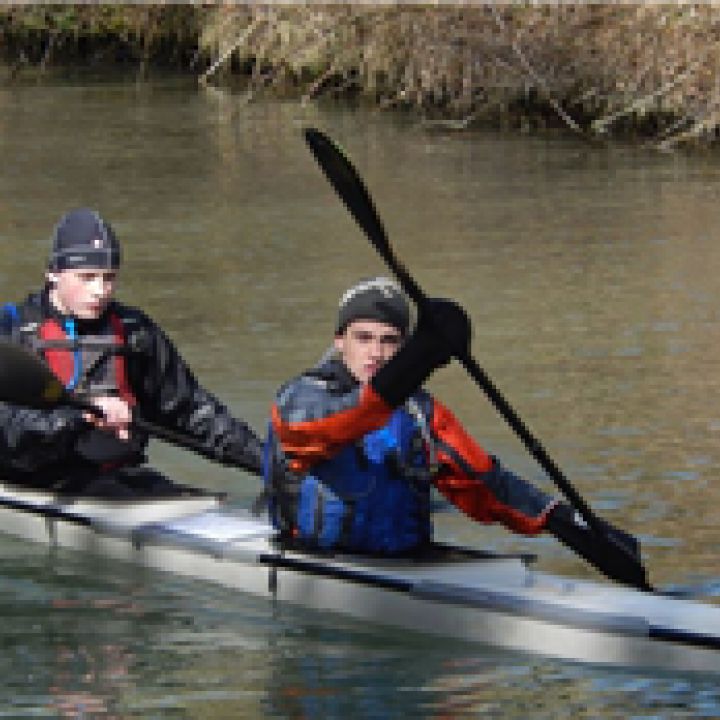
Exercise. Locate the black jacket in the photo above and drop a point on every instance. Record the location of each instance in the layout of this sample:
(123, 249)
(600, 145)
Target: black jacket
(42, 447)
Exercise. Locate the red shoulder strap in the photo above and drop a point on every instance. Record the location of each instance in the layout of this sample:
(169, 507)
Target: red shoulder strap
(60, 361)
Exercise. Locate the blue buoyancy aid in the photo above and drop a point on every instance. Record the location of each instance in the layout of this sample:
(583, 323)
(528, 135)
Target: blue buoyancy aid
(372, 497)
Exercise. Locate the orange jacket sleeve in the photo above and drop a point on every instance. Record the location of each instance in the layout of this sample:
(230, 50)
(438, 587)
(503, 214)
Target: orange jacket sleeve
(474, 482)
(308, 442)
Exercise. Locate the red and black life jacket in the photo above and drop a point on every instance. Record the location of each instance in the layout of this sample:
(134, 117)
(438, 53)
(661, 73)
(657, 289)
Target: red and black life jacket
(90, 363)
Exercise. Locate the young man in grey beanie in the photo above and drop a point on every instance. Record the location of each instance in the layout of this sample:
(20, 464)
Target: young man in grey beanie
(121, 362)
(366, 443)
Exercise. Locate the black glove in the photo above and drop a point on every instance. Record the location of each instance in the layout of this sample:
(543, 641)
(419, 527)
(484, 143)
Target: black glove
(613, 552)
(442, 331)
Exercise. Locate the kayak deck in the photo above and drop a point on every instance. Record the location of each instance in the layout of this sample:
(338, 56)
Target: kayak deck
(475, 596)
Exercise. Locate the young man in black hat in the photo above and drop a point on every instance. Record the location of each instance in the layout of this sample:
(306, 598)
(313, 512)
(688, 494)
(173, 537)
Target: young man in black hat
(121, 362)
(366, 443)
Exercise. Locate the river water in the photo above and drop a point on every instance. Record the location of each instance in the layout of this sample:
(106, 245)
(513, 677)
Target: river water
(592, 277)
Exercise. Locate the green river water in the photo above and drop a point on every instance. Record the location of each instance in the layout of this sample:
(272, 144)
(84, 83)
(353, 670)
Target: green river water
(593, 279)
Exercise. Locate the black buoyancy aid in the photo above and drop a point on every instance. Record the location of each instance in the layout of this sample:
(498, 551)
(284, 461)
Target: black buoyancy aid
(90, 363)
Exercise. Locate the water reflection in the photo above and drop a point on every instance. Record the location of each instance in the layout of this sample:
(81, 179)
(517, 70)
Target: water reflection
(84, 640)
(68, 642)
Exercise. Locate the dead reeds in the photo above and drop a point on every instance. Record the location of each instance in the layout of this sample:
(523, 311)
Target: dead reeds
(595, 69)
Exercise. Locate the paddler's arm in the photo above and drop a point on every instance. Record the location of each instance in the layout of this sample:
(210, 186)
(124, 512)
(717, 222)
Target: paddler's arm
(168, 394)
(479, 485)
(483, 489)
(308, 435)
(33, 439)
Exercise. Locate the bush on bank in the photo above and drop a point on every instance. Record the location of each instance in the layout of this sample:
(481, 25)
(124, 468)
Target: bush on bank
(593, 69)
(34, 37)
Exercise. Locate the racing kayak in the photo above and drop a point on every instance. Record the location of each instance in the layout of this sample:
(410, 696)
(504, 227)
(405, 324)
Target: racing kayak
(452, 592)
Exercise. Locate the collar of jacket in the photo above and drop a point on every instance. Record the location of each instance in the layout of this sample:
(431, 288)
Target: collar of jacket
(333, 371)
(41, 300)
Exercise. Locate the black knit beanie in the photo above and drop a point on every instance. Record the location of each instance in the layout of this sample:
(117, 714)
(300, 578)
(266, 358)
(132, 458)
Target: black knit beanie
(377, 298)
(82, 239)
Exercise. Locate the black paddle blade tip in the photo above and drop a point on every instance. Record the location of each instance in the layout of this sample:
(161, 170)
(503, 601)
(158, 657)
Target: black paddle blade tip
(26, 380)
(320, 144)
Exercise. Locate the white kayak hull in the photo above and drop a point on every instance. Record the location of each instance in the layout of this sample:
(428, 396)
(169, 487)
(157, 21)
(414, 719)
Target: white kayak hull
(494, 600)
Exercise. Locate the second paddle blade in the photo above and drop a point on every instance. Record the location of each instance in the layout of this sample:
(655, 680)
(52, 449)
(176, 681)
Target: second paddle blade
(26, 380)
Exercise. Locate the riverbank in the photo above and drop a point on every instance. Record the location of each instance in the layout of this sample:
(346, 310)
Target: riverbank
(646, 71)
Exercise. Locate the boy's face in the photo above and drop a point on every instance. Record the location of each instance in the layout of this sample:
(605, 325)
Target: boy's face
(366, 345)
(84, 293)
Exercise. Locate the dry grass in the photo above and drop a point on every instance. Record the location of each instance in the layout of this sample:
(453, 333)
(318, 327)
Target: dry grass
(597, 69)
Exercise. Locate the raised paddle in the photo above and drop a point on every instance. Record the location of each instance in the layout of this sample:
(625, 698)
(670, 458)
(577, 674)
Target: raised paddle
(25, 380)
(618, 550)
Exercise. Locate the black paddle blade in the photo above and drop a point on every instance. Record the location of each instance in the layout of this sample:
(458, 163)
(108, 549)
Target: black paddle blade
(625, 557)
(348, 185)
(615, 553)
(26, 380)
